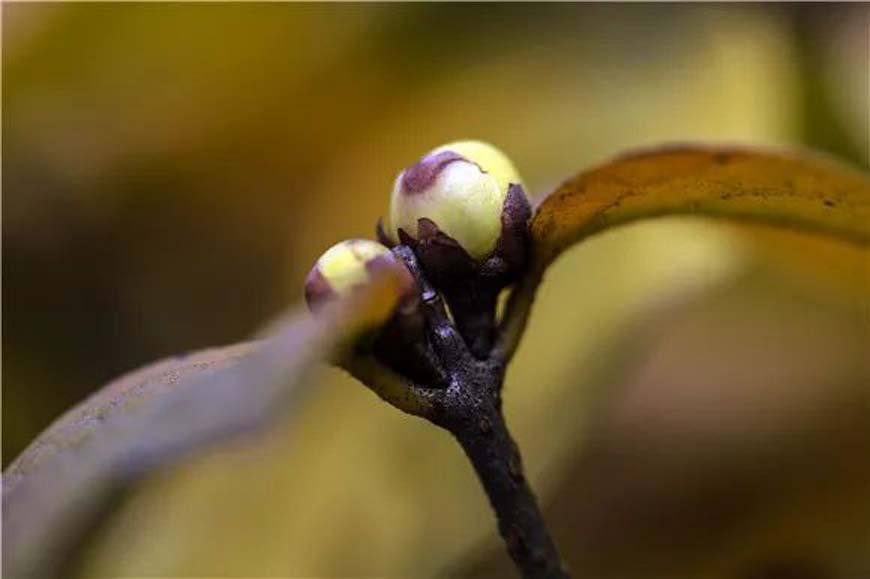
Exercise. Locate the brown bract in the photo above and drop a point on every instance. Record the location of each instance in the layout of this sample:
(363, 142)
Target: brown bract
(511, 250)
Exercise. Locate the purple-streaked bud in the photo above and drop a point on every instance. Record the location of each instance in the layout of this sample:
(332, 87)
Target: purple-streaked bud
(463, 211)
(461, 188)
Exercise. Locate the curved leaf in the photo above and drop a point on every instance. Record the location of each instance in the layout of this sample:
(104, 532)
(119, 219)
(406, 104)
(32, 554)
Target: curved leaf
(72, 475)
(798, 191)
(791, 190)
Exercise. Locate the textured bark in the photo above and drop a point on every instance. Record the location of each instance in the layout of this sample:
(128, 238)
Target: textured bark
(496, 459)
(466, 401)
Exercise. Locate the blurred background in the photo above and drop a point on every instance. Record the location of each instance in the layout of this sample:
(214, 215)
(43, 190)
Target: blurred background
(171, 171)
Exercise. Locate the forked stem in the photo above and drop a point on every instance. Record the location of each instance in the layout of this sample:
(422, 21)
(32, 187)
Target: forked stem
(469, 407)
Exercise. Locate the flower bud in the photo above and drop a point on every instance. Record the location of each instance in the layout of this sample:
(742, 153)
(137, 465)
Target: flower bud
(346, 265)
(461, 188)
(400, 342)
(488, 158)
(463, 211)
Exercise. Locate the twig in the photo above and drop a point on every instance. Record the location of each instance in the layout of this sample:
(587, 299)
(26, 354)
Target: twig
(469, 407)
(516, 316)
(388, 385)
(471, 411)
(496, 459)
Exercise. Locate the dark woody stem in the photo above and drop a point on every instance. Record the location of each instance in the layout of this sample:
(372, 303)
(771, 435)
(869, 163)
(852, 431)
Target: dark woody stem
(516, 316)
(473, 305)
(470, 409)
(487, 442)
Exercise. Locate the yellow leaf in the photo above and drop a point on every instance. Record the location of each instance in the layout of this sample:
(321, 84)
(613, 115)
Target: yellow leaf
(798, 191)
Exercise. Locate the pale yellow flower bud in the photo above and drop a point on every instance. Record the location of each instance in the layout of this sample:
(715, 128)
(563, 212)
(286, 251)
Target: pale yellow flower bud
(461, 187)
(344, 266)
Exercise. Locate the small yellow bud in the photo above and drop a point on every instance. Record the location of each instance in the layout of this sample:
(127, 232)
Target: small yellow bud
(461, 187)
(344, 266)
